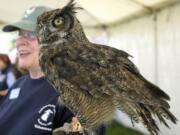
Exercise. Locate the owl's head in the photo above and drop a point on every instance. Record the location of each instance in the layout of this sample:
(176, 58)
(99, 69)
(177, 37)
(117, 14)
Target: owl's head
(59, 26)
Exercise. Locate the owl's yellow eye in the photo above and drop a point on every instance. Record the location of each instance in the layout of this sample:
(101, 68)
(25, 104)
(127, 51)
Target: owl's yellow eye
(57, 22)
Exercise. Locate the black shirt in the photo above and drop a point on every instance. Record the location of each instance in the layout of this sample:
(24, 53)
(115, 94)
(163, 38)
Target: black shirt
(31, 108)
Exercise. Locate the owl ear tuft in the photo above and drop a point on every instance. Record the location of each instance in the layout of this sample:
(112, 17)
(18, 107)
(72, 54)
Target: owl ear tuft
(70, 8)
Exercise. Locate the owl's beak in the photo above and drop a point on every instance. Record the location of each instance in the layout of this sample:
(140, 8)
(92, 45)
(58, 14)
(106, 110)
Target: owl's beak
(63, 34)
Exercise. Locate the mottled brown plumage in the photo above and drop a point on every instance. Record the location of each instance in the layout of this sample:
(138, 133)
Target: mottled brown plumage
(95, 80)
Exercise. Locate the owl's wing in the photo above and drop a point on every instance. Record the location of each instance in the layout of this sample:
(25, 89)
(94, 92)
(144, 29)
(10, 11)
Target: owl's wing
(101, 70)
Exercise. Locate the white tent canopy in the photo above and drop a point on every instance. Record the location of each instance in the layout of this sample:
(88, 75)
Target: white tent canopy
(153, 40)
(95, 13)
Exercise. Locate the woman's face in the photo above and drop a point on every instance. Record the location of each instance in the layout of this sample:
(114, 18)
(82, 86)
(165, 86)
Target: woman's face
(27, 50)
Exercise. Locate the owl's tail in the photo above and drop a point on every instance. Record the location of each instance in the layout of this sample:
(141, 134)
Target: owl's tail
(139, 112)
(162, 114)
(147, 119)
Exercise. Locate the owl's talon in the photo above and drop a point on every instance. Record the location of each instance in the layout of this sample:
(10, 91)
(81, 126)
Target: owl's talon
(74, 126)
(62, 130)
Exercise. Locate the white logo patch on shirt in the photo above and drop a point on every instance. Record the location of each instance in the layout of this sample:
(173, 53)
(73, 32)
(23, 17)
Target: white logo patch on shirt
(14, 93)
(45, 118)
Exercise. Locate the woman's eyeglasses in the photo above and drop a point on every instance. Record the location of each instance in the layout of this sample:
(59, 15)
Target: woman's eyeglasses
(26, 34)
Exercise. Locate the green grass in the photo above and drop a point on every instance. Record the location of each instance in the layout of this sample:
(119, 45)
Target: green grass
(117, 129)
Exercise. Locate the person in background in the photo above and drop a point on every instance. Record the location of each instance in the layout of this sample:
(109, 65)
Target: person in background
(31, 106)
(7, 77)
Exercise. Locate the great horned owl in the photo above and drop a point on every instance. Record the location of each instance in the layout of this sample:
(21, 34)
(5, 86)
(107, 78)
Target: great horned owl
(95, 80)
